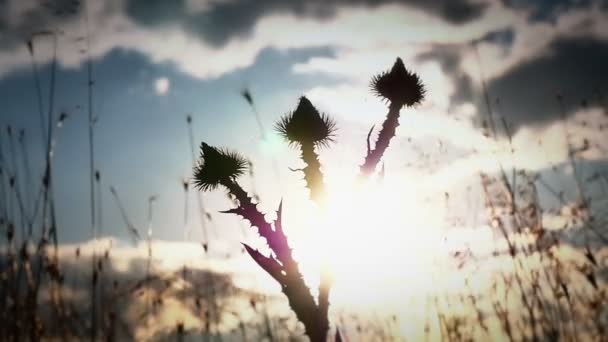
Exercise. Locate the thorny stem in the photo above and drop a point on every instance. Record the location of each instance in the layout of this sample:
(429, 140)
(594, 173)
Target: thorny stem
(249, 210)
(324, 289)
(312, 173)
(285, 270)
(276, 239)
(387, 132)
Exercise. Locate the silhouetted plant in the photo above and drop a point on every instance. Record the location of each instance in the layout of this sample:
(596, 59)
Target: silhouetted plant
(308, 128)
(553, 284)
(223, 167)
(399, 87)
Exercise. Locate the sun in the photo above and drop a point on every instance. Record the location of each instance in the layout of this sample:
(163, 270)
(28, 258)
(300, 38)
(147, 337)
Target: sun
(377, 234)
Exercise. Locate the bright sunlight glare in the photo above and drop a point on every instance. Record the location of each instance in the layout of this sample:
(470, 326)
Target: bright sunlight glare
(374, 235)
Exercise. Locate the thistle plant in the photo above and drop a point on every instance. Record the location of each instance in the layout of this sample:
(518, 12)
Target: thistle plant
(222, 167)
(307, 128)
(400, 88)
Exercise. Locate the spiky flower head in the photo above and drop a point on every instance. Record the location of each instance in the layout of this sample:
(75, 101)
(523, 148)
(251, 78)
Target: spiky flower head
(217, 165)
(306, 125)
(400, 86)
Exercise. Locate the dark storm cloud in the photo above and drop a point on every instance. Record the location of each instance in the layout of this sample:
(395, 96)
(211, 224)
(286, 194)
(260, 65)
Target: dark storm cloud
(550, 10)
(502, 37)
(48, 14)
(575, 68)
(3, 11)
(231, 19)
(449, 58)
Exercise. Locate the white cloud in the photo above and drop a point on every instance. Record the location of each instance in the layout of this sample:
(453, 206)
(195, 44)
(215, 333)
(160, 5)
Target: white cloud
(532, 39)
(533, 149)
(367, 37)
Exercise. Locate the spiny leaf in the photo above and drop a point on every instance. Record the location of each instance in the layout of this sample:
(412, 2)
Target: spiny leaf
(269, 264)
(236, 211)
(278, 223)
(369, 134)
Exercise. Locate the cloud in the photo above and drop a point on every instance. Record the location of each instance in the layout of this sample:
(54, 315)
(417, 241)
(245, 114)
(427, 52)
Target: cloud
(183, 286)
(221, 21)
(21, 19)
(550, 10)
(526, 63)
(574, 68)
(222, 35)
(450, 60)
(182, 280)
(219, 36)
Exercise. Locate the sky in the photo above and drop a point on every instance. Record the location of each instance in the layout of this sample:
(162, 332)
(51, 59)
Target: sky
(153, 63)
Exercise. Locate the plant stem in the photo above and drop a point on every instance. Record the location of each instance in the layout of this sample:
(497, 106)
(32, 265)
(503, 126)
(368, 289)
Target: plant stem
(199, 200)
(292, 283)
(389, 127)
(312, 173)
(91, 123)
